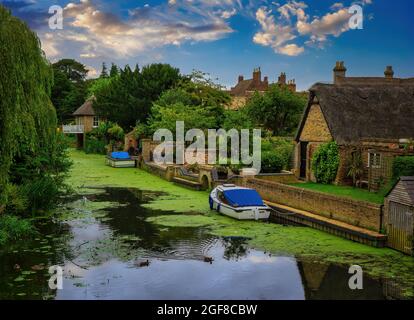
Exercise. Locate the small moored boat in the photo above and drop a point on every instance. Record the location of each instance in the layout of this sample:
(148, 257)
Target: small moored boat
(120, 160)
(239, 203)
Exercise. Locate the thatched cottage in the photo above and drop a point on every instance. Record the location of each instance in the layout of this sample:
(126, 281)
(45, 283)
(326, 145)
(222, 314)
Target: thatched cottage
(373, 116)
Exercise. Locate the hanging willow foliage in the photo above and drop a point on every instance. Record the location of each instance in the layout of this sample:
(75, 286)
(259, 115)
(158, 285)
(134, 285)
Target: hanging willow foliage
(27, 116)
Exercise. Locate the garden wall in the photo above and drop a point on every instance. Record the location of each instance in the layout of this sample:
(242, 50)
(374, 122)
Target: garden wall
(357, 213)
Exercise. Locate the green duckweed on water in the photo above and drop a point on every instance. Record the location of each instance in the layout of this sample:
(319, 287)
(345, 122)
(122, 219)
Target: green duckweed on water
(302, 242)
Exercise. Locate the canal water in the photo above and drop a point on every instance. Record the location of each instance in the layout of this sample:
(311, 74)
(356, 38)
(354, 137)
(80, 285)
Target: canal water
(107, 250)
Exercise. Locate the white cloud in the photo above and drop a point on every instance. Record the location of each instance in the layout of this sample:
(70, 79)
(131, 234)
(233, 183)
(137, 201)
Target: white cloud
(290, 22)
(100, 33)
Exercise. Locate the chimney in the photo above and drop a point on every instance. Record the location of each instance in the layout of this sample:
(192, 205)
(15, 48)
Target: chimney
(257, 75)
(266, 80)
(241, 78)
(282, 79)
(339, 71)
(389, 73)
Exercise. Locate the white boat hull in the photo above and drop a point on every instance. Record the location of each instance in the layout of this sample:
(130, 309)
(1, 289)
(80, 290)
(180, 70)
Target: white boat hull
(245, 213)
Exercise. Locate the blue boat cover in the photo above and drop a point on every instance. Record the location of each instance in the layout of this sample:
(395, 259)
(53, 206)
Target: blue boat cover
(120, 155)
(243, 198)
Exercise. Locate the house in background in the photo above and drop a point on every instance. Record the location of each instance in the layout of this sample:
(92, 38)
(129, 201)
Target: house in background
(245, 88)
(372, 114)
(85, 121)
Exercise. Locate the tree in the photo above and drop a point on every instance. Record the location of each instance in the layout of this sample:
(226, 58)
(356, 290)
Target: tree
(127, 99)
(104, 72)
(114, 71)
(32, 158)
(69, 89)
(278, 110)
(74, 70)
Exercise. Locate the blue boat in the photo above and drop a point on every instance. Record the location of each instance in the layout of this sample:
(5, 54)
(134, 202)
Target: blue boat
(239, 203)
(120, 160)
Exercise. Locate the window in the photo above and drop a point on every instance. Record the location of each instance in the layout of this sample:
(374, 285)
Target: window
(374, 160)
(95, 122)
(79, 121)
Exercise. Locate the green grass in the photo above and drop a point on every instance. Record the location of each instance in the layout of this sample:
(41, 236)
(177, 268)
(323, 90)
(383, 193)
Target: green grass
(343, 191)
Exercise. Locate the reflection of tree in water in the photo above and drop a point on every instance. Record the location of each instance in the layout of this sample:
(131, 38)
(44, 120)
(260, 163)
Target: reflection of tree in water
(235, 248)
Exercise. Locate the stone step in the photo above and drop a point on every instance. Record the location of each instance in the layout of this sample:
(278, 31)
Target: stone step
(187, 183)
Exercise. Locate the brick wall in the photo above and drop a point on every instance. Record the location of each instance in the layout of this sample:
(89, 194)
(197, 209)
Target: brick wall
(357, 213)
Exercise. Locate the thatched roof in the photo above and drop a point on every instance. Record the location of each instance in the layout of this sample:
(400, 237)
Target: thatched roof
(355, 112)
(86, 109)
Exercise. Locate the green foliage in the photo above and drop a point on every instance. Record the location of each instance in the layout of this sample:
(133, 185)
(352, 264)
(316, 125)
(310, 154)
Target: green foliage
(281, 148)
(69, 88)
(325, 162)
(278, 110)
(13, 199)
(99, 85)
(31, 151)
(237, 119)
(41, 193)
(104, 72)
(95, 146)
(193, 116)
(12, 228)
(272, 162)
(403, 166)
(355, 166)
(128, 97)
(104, 138)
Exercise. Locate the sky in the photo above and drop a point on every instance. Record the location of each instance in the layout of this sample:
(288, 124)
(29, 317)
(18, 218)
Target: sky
(228, 38)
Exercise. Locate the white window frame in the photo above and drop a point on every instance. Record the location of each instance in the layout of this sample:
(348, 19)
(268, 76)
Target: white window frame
(95, 120)
(376, 160)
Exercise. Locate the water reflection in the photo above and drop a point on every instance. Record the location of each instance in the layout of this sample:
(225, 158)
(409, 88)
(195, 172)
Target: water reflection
(102, 252)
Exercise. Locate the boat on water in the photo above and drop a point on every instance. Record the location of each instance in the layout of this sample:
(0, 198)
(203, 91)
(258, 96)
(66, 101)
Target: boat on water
(239, 203)
(120, 160)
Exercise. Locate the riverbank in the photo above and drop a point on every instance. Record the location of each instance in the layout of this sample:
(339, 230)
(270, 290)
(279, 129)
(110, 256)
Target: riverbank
(89, 171)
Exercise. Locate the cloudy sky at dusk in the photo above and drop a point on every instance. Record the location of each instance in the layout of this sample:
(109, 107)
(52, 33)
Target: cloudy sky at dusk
(230, 37)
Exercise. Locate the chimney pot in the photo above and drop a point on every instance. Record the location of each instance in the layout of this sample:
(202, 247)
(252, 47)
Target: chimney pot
(389, 72)
(339, 71)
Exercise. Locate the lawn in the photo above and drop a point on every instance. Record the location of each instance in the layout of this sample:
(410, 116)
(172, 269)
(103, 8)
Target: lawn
(343, 191)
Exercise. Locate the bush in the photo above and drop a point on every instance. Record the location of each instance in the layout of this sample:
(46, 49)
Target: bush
(13, 200)
(325, 163)
(94, 145)
(42, 193)
(272, 162)
(281, 147)
(12, 228)
(403, 166)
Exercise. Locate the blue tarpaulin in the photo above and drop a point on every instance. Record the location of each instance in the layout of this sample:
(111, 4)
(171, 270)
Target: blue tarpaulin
(120, 155)
(243, 198)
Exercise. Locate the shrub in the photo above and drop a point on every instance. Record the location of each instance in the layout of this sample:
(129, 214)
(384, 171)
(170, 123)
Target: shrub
(403, 166)
(13, 200)
(41, 193)
(282, 147)
(94, 145)
(272, 162)
(325, 162)
(12, 228)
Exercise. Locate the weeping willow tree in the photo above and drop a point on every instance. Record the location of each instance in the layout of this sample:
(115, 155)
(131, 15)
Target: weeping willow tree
(27, 116)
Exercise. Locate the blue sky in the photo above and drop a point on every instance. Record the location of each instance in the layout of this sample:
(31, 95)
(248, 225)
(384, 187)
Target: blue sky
(230, 37)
